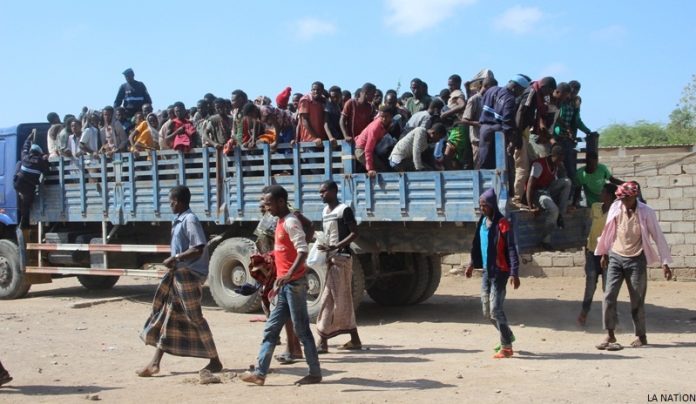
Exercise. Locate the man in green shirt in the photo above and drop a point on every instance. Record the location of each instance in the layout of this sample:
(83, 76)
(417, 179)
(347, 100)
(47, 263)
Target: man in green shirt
(591, 179)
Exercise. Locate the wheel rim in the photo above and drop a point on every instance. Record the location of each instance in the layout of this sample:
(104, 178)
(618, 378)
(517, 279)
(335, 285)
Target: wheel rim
(234, 275)
(5, 272)
(313, 285)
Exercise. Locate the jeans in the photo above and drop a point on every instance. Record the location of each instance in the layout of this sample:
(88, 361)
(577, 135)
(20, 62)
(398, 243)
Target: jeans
(292, 304)
(554, 201)
(570, 156)
(592, 273)
(492, 298)
(634, 271)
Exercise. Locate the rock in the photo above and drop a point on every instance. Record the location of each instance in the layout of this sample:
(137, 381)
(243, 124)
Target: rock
(522, 325)
(459, 376)
(54, 363)
(498, 391)
(93, 397)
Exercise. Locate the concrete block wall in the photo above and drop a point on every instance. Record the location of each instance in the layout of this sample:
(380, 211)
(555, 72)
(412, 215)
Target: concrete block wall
(667, 177)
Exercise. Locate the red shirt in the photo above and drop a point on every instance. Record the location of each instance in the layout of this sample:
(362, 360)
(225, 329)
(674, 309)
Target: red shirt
(315, 111)
(368, 140)
(358, 115)
(289, 239)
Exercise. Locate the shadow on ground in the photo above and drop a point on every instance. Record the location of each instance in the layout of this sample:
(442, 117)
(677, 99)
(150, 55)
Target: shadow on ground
(41, 390)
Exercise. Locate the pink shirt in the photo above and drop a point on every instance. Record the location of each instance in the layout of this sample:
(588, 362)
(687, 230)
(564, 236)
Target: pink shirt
(649, 228)
(368, 140)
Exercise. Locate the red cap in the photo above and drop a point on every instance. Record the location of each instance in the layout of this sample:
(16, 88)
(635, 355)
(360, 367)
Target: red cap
(283, 98)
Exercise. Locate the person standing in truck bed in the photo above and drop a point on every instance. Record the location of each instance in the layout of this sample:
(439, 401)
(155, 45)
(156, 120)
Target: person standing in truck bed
(132, 94)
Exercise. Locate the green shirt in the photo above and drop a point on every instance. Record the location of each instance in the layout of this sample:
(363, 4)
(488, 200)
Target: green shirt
(593, 183)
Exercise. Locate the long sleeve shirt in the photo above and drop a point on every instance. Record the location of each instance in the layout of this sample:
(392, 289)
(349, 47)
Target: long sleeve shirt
(411, 146)
(649, 228)
(368, 140)
(499, 108)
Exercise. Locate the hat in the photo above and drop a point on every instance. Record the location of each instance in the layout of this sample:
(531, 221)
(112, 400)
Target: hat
(128, 72)
(283, 98)
(35, 148)
(521, 81)
(627, 189)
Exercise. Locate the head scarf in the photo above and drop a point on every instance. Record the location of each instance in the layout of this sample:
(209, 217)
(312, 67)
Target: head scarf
(627, 189)
(283, 98)
(520, 80)
(490, 199)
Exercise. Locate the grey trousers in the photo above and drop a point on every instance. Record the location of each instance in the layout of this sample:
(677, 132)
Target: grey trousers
(634, 271)
(554, 201)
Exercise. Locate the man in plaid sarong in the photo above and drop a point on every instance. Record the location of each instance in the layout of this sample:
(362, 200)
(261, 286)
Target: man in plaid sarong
(176, 325)
(337, 315)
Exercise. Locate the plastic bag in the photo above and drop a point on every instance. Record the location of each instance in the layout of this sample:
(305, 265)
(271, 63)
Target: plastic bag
(316, 258)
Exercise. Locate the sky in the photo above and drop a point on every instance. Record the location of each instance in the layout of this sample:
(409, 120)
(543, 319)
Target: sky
(633, 58)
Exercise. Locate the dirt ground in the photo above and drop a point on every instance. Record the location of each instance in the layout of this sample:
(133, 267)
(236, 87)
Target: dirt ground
(438, 351)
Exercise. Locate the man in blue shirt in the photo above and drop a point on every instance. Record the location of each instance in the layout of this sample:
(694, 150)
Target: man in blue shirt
(499, 108)
(132, 94)
(176, 325)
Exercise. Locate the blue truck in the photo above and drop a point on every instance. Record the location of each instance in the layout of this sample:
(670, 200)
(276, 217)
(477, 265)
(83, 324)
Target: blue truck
(102, 219)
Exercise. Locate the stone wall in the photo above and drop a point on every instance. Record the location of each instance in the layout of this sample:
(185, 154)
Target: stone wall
(667, 176)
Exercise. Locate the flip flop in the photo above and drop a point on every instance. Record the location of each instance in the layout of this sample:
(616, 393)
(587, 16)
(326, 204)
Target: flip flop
(614, 346)
(348, 346)
(286, 358)
(603, 345)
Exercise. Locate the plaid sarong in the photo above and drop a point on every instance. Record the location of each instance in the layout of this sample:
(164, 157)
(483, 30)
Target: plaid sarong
(176, 324)
(336, 315)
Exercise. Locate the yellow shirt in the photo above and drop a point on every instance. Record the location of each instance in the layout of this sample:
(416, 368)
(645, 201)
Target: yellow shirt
(599, 219)
(144, 136)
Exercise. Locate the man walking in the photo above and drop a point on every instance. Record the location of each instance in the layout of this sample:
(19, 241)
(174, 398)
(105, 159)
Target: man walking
(290, 253)
(176, 325)
(336, 315)
(626, 250)
(495, 251)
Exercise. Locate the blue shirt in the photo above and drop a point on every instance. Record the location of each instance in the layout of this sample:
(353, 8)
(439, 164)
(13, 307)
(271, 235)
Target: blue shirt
(187, 232)
(483, 235)
(498, 108)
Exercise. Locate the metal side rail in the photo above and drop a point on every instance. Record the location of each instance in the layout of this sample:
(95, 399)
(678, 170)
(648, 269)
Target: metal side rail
(100, 247)
(145, 273)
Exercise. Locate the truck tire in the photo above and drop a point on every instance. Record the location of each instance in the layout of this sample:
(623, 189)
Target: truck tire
(396, 290)
(358, 283)
(434, 270)
(13, 283)
(421, 269)
(229, 269)
(97, 282)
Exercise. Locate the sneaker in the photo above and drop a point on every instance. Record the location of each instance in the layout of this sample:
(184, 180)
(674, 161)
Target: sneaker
(504, 353)
(252, 378)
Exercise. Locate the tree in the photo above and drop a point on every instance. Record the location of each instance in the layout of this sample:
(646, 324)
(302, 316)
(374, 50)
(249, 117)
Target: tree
(682, 121)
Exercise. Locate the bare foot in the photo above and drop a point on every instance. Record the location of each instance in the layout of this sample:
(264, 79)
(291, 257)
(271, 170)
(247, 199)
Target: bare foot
(214, 366)
(639, 342)
(309, 379)
(148, 371)
(582, 319)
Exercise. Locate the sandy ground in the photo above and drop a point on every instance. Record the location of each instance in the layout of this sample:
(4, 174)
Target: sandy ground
(438, 351)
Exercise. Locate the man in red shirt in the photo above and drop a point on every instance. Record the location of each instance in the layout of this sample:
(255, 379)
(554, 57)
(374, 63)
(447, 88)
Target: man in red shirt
(358, 113)
(311, 116)
(369, 138)
(290, 252)
(548, 189)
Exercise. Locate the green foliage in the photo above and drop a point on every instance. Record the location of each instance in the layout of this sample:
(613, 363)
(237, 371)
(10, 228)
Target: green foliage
(680, 130)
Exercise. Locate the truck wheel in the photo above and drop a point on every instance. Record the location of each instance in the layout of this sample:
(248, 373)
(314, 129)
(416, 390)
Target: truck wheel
(434, 270)
(396, 290)
(421, 271)
(316, 280)
(96, 282)
(13, 283)
(229, 269)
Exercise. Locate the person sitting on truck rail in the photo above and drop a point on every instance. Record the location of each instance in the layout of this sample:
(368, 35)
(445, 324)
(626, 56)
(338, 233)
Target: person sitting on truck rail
(366, 143)
(548, 189)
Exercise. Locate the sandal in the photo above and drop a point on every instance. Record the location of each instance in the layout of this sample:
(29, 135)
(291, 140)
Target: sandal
(348, 346)
(604, 344)
(497, 347)
(614, 346)
(286, 358)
